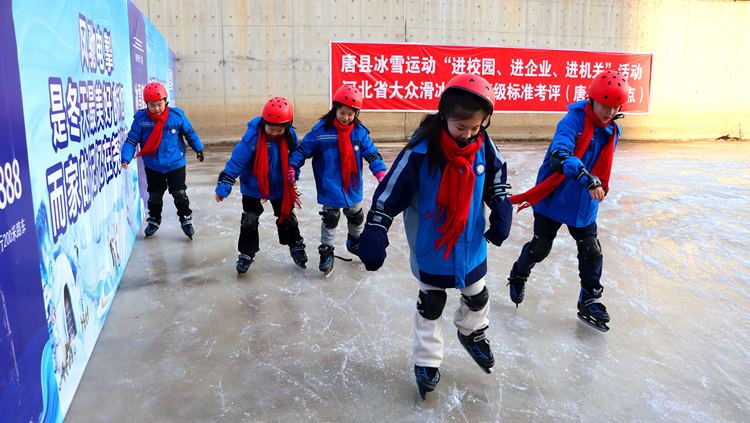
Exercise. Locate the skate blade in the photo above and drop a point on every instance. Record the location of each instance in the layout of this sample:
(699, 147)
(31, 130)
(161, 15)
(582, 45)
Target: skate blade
(600, 326)
(421, 393)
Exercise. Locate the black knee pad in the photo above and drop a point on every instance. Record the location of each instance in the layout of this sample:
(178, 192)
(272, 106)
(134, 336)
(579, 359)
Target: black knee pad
(477, 302)
(152, 201)
(180, 195)
(249, 221)
(355, 218)
(430, 303)
(589, 248)
(540, 247)
(331, 217)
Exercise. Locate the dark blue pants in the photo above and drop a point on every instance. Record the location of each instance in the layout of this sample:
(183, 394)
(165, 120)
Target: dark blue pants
(249, 242)
(158, 182)
(589, 270)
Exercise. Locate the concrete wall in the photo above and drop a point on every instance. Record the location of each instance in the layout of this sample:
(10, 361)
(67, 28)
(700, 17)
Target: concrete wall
(233, 55)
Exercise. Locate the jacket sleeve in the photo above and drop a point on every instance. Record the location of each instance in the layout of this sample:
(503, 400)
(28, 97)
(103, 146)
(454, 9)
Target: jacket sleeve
(495, 181)
(128, 147)
(369, 152)
(304, 151)
(190, 135)
(395, 193)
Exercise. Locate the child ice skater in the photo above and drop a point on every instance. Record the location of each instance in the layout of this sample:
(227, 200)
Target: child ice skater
(572, 181)
(441, 181)
(337, 145)
(261, 160)
(161, 131)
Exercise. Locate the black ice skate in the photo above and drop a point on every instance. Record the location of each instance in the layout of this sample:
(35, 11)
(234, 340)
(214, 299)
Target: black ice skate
(326, 258)
(153, 226)
(478, 346)
(517, 285)
(187, 226)
(352, 245)
(297, 250)
(243, 263)
(427, 379)
(591, 311)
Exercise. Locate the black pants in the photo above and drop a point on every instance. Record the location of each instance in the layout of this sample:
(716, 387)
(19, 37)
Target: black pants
(589, 270)
(157, 183)
(249, 242)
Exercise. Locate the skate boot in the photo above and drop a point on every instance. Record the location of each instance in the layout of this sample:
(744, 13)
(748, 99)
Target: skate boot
(591, 311)
(478, 346)
(427, 379)
(243, 263)
(297, 250)
(153, 225)
(517, 286)
(187, 226)
(326, 258)
(352, 245)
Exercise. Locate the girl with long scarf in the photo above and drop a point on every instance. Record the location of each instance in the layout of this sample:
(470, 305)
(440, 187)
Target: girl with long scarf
(161, 131)
(337, 145)
(260, 159)
(572, 181)
(442, 181)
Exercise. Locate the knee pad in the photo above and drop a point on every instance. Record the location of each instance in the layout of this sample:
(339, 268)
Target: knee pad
(249, 221)
(355, 218)
(540, 247)
(180, 195)
(589, 248)
(430, 303)
(152, 201)
(477, 302)
(331, 217)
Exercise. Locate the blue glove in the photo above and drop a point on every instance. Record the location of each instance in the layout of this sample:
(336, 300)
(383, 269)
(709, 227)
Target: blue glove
(501, 216)
(374, 240)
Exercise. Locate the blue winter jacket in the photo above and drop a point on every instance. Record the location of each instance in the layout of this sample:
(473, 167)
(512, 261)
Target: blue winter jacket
(323, 146)
(171, 152)
(570, 203)
(242, 164)
(411, 188)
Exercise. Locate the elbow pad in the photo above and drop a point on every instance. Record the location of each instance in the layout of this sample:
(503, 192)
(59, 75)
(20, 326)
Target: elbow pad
(557, 158)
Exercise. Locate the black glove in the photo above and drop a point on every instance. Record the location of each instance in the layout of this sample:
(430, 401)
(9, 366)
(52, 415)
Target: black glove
(594, 181)
(374, 240)
(501, 216)
(199, 155)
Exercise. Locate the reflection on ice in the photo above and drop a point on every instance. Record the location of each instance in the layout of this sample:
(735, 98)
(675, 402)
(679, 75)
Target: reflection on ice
(282, 343)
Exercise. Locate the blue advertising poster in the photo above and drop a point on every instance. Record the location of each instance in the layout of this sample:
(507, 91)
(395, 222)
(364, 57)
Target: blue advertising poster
(75, 77)
(23, 328)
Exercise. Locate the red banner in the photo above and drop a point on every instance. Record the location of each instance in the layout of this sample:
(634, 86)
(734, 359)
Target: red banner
(402, 77)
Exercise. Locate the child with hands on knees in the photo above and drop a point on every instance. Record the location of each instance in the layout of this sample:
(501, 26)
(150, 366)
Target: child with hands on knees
(572, 180)
(441, 181)
(260, 159)
(161, 131)
(337, 145)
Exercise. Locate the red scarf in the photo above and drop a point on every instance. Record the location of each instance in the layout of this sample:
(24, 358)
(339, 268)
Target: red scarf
(346, 154)
(260, 170)
(155, 138)
(602, 168)
(456, 189)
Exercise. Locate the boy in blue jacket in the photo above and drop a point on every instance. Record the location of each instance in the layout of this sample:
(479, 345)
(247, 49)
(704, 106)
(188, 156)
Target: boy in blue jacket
(337, 145)
(441, 181)
(161, 131)
(572, 181)
(261, 160)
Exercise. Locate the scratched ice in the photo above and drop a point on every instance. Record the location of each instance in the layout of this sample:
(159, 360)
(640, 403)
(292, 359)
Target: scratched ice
(187, 338)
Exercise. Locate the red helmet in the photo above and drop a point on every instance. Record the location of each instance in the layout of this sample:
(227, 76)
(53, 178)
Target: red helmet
(154, 91)
(474, 84)
(609, 88)
(349, 96)
(278, 110)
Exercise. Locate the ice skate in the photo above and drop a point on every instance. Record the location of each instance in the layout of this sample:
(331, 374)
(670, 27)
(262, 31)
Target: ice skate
(352, 245)
(153, 226)
(326, 259)
(427, 379)
(517, 285)
(243, 263)
(591, 311)
(187, 225)
(478, 346)
(297, 251)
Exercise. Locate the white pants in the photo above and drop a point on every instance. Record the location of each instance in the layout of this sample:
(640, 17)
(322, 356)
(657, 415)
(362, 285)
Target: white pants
(327, 235)
(428, 336)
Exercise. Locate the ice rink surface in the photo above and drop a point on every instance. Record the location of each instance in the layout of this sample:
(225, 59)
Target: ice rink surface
(187, 339)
